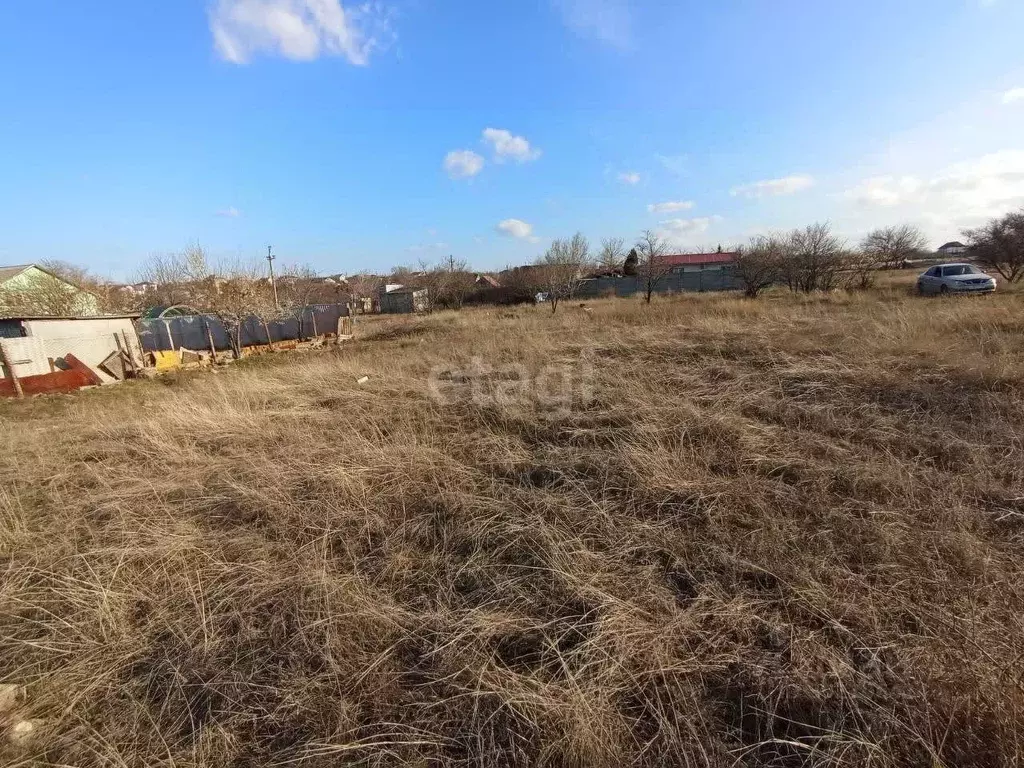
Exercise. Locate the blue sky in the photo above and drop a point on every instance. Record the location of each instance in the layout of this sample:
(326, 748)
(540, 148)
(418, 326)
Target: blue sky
(360, 136)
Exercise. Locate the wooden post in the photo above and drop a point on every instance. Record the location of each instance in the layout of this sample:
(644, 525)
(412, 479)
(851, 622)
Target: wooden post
(120, 351)
(312, 319)
(170, 338)
(130, 353)
(209, 338)
(10, 370)
(270, 342)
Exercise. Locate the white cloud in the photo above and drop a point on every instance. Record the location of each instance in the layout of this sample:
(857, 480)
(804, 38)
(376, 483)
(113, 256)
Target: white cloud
(516, 228)
(506, 146)
(671, 206)
(301, 30)
(1012, 96)
(788, 185)
(463, 164)
(885, 191)
(958, 195)
(229, 213)
(680, 229)
(607, 21)
(629, 177)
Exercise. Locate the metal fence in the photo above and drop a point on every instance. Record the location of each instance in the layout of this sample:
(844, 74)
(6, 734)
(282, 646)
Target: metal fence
(692, 282)
(197, 332)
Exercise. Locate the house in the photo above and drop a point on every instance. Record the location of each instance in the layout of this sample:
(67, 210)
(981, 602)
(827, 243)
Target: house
(31, 289)
(680, 263)
(401, 300)
(483, 280)
(952, 249)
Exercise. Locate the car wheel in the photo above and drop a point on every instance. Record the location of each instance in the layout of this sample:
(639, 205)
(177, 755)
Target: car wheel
(944, 290)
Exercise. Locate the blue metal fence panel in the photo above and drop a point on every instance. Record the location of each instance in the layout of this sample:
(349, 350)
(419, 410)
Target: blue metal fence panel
(194, 331)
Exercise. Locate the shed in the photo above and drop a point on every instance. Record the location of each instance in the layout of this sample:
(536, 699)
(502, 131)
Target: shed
(404, 301)
(36, 345)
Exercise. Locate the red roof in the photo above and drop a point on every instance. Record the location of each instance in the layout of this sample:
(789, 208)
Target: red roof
(686, 259)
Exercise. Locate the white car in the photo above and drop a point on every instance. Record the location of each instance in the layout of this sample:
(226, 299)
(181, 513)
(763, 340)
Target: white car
(955, 278)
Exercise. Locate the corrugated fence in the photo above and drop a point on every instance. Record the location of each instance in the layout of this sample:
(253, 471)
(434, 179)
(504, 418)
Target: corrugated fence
(195, 331)
(697, 281)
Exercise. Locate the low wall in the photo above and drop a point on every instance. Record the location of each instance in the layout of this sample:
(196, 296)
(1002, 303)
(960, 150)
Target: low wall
(685, 282)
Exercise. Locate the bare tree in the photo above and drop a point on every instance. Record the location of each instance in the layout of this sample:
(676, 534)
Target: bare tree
(521, 284)
(861, 267)
(360, 287)
(560, 271)
(891, 246)
(758, 263)
(999, 245)
(612, 254)
(236, 291)
(814, 259)
(297, 287)
(651, 250)
(450, 283)
(177, 277)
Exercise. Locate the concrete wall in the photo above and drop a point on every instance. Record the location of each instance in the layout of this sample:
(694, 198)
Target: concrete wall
(705, 280)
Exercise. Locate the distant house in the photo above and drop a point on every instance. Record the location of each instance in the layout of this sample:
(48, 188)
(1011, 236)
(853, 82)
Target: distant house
(484, 280)
(680, 263)
(31, 289)
(951, 249)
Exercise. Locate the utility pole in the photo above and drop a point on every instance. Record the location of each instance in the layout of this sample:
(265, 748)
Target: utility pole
(451, 263)
(270, 261)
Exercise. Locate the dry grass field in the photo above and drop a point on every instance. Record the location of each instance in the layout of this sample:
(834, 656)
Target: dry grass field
(708, 532)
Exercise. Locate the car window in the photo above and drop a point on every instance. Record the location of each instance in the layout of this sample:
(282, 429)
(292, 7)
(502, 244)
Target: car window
(958, 269)
(933, 272)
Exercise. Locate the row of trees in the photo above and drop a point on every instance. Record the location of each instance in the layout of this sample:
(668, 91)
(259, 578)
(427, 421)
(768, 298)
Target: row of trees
(805, 260)
(559, 272)
(815, 259)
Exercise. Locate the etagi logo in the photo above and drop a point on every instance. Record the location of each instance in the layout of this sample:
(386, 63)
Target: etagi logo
(555, 386)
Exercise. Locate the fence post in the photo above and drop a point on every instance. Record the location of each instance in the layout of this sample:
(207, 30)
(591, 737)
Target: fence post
(270, 341)
(131, 353)
(209, 337)
(170, 337)
(312, 319)
(126, 362)
(10, 371)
